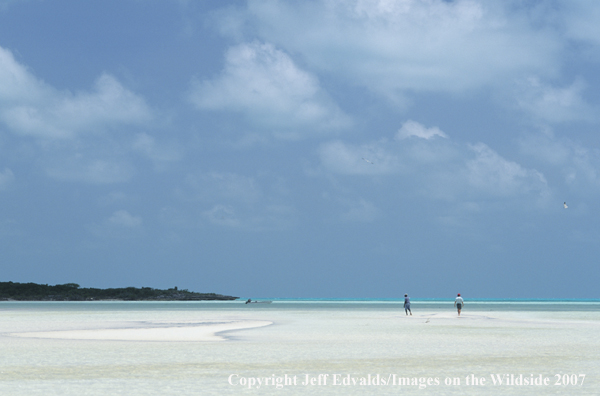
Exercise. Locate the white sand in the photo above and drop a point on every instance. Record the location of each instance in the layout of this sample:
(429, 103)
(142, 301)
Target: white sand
(159, 331)
(72, 352)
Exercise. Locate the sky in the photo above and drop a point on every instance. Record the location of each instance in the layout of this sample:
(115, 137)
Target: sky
(323, 148)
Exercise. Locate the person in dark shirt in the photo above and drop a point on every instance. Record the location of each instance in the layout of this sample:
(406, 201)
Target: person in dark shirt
(407, 304)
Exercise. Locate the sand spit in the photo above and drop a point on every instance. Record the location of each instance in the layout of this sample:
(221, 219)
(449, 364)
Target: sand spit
(153, 331)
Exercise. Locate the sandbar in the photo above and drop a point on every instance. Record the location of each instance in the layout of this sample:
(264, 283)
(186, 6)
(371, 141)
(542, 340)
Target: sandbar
(153, 331)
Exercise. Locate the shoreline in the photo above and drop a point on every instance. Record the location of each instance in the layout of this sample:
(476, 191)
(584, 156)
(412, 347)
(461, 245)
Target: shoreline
(122, 300)
(73, 292)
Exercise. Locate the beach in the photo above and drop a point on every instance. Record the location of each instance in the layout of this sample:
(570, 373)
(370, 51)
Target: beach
(299, 347)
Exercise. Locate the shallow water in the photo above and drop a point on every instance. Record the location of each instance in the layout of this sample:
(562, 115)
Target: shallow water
(341, 341)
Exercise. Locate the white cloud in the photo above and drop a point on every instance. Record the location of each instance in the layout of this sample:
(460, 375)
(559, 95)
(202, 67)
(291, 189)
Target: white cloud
(494, 175)
(30, 107)
(17, 84)
(254, 218)
(389, 156)
(340, 157)
(576, 165)
(412, 128)
(223, 215)
(552, 104)
(122, 218)
(437, 168)
(263, 83)
(72, 130)
(395, 47)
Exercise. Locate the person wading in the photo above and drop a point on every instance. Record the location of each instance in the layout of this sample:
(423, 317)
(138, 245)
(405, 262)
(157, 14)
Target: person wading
(407, 304)
(458, 303)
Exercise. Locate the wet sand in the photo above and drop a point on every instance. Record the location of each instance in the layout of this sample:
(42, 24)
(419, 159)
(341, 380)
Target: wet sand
(166, 332)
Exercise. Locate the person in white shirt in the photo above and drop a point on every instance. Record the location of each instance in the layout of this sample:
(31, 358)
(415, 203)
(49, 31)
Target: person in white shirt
(458, 303)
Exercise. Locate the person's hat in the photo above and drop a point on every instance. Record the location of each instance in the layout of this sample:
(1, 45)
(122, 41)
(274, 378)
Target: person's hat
(459, 294)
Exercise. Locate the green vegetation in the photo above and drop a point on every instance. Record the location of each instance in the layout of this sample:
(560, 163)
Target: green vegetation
(72, 292)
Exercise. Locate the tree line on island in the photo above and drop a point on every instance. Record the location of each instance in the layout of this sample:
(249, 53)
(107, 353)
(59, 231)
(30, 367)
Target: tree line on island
(73, 292)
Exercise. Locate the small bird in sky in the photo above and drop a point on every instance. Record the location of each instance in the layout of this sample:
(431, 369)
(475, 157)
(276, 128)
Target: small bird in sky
(565, 205)
(367, 161)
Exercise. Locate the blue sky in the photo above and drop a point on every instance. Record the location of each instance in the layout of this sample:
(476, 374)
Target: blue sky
(302, 149)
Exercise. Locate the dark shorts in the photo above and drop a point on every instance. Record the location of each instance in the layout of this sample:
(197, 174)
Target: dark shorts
(459, 306)
(407, 306)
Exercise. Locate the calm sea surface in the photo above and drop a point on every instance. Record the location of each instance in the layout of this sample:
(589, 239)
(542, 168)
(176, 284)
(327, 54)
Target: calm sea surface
(354, 347)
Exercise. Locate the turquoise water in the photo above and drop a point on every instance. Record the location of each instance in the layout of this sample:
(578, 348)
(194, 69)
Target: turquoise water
(391, 305)
(555, 304)
(356, 339)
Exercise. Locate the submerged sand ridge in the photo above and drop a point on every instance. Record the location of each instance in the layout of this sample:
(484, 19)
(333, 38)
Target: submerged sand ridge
(153, 331)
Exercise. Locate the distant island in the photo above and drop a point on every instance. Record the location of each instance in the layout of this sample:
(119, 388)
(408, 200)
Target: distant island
(10, 291)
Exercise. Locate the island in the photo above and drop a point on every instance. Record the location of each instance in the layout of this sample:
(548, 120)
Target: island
(13, 291)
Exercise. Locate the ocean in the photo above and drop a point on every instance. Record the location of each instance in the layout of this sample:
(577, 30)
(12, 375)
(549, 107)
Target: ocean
(297, 347)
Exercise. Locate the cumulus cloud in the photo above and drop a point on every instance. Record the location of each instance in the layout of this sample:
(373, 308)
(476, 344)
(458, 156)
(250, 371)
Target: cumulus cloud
(554, 104)
(263, 83)
(344, 158)
(74, 132)
(31, 107)
(413, 128)
(439, 168)
(18, 85)
(122, 218)
(256, 218)
(223, 215)
(389, 156)
(571, 162)
(494, 175)
(396, 47)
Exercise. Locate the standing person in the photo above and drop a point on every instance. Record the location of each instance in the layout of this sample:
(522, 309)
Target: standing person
(407, 304)
(458, 303)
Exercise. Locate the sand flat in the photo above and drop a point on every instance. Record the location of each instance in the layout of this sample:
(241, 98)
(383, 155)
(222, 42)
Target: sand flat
(62, 349)
(160, 331)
